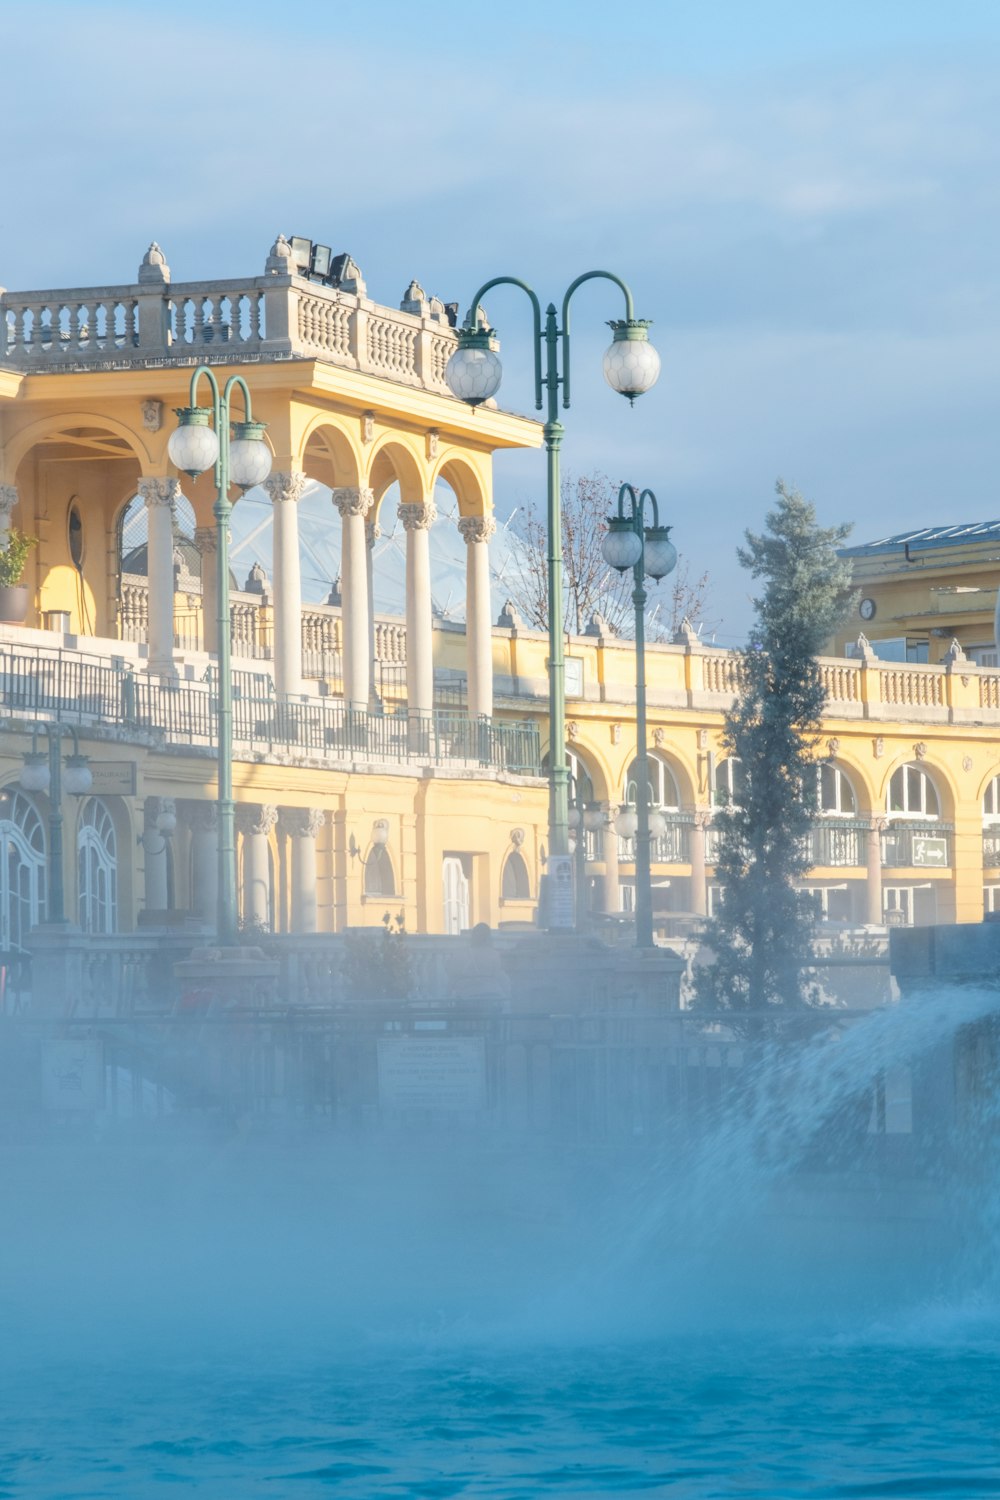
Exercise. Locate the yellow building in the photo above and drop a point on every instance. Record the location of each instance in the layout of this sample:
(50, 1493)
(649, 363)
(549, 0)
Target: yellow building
(388, 763)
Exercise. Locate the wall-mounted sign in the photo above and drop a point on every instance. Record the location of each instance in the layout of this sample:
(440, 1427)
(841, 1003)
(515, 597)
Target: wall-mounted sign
(930, 851)
(113, 778)
(438, 1073)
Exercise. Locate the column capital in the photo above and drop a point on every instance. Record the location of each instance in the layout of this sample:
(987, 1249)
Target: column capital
(202, 817)
(256, 819)
(8, 499)
(476, 528)
(159, 490)
(353, 500)
(417, 517)
(303, 822)
(372, 531)
(285, 485)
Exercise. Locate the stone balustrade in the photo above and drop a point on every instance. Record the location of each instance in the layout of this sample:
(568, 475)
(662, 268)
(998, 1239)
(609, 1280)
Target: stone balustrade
(278, 315)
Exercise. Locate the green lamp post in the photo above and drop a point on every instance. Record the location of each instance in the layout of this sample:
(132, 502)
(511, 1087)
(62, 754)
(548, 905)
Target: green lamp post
(473, 374)
(649, 552)
(202, 440)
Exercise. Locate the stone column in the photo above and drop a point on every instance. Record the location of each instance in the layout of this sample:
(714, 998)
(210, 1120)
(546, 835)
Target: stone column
(206, 539)
(609, 851)
(159, 496)
(354, 504)
(874, 914)
(8, 499)
(699, 879)
(203, 821)
(154, 848)
(285, 491)
(255, 824)
(417, 521)
(303, 826)
(477, 530)
(372, 533)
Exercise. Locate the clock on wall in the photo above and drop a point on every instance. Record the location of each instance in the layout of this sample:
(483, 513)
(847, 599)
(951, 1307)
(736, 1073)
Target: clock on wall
(866, 609)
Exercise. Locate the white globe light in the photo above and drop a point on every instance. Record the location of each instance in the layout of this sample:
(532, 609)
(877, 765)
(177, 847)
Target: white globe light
(660, 554)
(34, 775)
(621, 546)
(626, 823)
(78, 777)
(573, 818)
(193, 446)
(249, 455)
(631, 364)
(474, 371)
(657, 824)
(593, 819)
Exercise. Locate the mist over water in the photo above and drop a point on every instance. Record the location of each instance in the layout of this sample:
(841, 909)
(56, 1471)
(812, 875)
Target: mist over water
(758, 1308)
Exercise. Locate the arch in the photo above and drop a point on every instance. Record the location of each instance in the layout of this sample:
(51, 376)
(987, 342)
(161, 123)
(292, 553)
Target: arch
(989, 797)
(97, 868)
(328, 453)
(515, 884)
(470, 490)
(585, 771)
(23, 888)
(728, 782)
(392, 461)
(664, 786)
(21, 443)
(380, 877)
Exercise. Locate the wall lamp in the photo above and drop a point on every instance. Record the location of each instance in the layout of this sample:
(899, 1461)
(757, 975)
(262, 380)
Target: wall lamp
(380, 837)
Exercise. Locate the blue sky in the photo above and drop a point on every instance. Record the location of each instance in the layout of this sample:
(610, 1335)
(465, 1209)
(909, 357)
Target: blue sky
(804, 198)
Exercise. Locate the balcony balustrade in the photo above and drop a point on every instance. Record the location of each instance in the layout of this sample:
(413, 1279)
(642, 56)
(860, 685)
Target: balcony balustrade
(673, 847)
(924, 846)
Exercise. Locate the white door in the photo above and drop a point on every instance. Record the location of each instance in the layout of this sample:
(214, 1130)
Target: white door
(456, 896)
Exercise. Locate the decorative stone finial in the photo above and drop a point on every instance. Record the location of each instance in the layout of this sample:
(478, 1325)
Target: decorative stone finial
(415, 300)
(954, 654)
(864, 648)
(599, 625)
(256, 581)
(154, 270)
(351, 279)
(279, 260)
(510, 616)
(685, 634)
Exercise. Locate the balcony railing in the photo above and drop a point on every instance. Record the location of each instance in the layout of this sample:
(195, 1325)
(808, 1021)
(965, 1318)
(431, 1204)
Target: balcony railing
(88, 691)
(839, 843)
(991, 847)
(673, 847)
(920, 845)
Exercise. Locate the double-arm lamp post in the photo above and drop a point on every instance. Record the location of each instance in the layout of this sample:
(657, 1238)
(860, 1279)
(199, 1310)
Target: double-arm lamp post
(649, 552)
(473, 373)
(203, 440)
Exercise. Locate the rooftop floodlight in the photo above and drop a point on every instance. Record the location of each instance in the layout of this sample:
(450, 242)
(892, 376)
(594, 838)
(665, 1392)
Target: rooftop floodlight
(320, 263)
(301, 253)
(194, 444)
(621, 547)
(631, 364)
(660, 552)
(78, 777)
(474, 372)
(249, 455)
(34, 775)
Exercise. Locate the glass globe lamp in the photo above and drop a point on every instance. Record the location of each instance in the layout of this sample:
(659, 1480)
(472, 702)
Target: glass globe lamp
(657, 824)
(34, 775)
(166, 822)
(660, 552)
(473, 373)
(631, 364)
(627, 823)
(77, 775)
(194, 443)
(621, 547)
(573, 818)
(249, 455)
(380, 831)
(593, 818)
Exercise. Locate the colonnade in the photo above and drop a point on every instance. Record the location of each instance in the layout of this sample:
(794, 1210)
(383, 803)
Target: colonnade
(355, 505)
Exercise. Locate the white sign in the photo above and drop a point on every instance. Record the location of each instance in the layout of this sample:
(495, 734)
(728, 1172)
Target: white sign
(71, 1074)
(930, 851)
(561, 909)
(113, 776)
(440, 1073)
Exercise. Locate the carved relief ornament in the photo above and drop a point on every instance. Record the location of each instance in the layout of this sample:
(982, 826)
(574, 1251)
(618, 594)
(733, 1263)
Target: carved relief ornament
(476, 528)
(353, 500)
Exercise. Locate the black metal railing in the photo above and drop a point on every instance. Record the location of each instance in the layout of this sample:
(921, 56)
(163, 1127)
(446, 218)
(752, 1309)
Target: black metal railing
(82, 690)
(924, 846)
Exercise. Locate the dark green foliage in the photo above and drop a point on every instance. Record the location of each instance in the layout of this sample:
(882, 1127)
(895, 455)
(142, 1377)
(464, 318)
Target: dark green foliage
(761, 935)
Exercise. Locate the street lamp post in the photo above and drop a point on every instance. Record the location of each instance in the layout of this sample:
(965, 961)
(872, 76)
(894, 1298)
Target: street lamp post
(43, 772)
(202, 440)
(473, 373)
(648, 551)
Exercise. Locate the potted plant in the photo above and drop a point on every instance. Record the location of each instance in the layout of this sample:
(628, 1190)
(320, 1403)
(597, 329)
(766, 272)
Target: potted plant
(13, 559)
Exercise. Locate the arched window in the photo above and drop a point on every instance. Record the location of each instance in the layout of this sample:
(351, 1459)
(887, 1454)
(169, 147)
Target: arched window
(97, 869)
(581, 786)
(912, 794)
(663, 791)
(730, 782)
(380, 879)
(514, 883)
(835, 794)
(991, 802)
(22, 868)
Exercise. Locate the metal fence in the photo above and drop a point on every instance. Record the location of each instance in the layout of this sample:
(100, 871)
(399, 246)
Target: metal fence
(82, 690)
